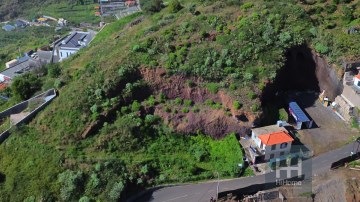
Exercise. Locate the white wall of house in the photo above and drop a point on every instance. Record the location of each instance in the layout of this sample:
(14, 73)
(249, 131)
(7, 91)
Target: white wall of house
(277, 150)
(65, 53)
(257, 141)
(3, 78)
(356, 82)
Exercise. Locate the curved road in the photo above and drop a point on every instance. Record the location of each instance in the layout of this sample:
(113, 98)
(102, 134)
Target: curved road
(204, 191)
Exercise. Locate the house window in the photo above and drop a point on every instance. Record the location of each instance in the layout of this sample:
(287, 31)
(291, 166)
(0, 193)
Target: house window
(273, 147)
(272, 156)
(282, 153)
(283, 145)
(60, 54)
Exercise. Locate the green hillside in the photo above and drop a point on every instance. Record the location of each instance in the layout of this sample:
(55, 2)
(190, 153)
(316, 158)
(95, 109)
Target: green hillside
(233, 47)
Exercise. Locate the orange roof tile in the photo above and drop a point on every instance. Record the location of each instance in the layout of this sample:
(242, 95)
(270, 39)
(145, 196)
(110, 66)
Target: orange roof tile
(275, 138)
(358, 76)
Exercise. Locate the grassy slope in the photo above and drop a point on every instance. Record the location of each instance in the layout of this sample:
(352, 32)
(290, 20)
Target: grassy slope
(127, 149)
(333, 19)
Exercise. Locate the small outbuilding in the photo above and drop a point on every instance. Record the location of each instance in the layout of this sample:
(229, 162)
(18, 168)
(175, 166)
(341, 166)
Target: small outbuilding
(21, 23)
(299, 116)
(8, 28)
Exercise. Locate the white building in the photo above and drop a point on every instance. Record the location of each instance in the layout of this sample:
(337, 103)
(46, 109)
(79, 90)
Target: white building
(271, 142)
(18, 67)
(357, 80)
(72, 44)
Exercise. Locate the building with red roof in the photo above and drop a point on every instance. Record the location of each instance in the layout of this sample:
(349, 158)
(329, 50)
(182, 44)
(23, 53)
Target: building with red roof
(270, 142)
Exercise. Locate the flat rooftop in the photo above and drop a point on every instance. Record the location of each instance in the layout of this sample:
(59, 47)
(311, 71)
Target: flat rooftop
(267, 129)
(299, 113)
(25, 64)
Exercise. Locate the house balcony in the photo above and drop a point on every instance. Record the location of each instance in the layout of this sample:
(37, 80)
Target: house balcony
(252, 151)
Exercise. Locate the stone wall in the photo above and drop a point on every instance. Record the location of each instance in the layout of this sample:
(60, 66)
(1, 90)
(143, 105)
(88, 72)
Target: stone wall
(48, 97)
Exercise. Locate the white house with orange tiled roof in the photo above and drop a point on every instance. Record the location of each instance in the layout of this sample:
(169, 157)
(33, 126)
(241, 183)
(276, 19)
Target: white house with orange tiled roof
(272, 141)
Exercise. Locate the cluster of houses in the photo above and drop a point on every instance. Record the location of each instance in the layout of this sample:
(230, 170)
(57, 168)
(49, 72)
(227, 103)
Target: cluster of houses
(42, 21)
(268, 143)
(58, 51)
(17, 24)
(118, 8)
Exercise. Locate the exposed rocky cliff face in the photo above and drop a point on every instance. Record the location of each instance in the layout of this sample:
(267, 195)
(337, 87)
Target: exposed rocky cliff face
(304, 70)
(328, 76)
(214, 122)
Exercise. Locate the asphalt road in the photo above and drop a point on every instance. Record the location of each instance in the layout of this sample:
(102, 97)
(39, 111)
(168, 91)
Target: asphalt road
(204, 191)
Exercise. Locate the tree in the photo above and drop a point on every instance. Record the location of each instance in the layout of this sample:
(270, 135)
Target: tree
(175, 6)
(116, 190)
(23, 87)
(54, 70)
(236, 105)
(283, 115)
(70, 184)
(152, 6)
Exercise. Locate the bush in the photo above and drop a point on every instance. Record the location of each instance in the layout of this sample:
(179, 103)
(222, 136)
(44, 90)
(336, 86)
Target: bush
(354, 123)
(255, 107)
(116, 191)
(283, 115)
(247, 5)
(178, 101)
(236, 105)
(151, 6)
(190, 83)
(84, 199)
(251, 95)
(151, 101)
(232, 87)
(321, 48)
(70, 184)
(167, 109)
(196, 109)
(185, 110)
(162, 97)
(58, 83)
(54, 70)
(175, 6)
(209, 102)
(213, 87)
(135, 106)
(23, 87)
(187, 103)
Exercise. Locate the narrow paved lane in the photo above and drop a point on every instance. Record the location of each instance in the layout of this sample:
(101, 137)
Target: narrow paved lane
(204, 191)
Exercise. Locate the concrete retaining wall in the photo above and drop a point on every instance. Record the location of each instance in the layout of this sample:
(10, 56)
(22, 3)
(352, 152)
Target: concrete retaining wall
(48, 97)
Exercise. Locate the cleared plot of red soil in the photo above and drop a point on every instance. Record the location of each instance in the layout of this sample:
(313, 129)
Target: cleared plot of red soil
(210, 121)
